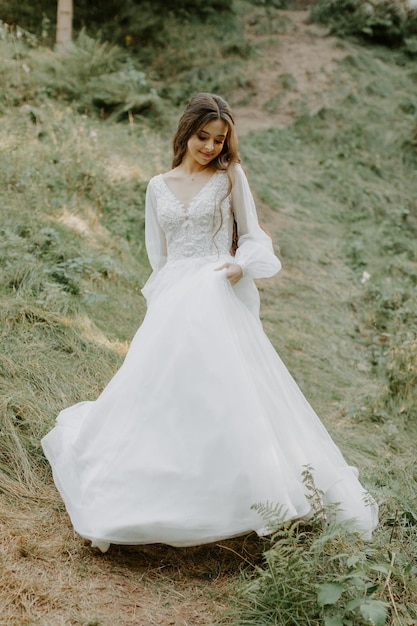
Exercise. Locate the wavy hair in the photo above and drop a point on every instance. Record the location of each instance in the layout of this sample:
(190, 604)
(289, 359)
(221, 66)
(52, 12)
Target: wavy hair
(202, 109)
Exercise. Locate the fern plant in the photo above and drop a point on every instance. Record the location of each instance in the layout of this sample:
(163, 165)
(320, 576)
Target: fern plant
(315, 573)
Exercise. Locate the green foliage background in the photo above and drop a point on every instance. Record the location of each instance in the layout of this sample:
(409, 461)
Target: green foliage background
(387, 22)
(142, 21)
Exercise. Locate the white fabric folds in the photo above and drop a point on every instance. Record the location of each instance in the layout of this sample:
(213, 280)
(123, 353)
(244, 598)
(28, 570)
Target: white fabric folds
(203, 420)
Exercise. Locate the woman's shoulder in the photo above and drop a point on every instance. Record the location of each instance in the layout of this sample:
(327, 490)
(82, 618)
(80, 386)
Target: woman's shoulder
(155, 182)
(166, 177)
(236, 166)
(236, 170)
(238, 174)
(170, 174)
(155, 177)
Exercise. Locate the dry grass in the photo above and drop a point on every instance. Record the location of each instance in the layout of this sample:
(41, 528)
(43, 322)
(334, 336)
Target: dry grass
(50, 576)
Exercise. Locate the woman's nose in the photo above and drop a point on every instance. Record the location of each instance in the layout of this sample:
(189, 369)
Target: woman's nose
(209, 144)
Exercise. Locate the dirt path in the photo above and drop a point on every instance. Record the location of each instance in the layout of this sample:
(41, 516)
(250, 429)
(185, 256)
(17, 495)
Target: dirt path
(295, 71)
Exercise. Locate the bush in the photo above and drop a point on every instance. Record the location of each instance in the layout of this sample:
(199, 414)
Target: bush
(321, 574)
(116, 20)
(385, 22)
(92, 74)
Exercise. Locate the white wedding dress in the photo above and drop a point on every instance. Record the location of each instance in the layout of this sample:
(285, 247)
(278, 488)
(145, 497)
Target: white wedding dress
(203, 420)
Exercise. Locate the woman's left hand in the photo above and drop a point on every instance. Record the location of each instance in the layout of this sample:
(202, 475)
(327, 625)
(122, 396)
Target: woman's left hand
(234, 272)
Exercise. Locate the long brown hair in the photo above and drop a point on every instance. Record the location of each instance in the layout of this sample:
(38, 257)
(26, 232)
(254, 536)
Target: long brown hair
(203, 108)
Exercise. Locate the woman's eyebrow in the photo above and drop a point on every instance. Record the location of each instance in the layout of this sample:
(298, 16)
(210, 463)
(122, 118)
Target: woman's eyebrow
(207, 133)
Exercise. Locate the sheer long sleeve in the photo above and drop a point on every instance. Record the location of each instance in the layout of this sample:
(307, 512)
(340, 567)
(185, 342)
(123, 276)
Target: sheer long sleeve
(155, 240)
(255, 253)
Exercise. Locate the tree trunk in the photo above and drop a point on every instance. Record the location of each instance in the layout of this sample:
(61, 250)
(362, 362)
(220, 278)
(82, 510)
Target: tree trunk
(64, 22)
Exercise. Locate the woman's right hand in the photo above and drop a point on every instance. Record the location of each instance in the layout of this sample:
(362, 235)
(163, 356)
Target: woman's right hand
(234, 272)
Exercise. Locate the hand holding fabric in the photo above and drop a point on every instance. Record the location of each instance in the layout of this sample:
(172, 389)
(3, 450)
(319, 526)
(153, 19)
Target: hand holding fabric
(234, 272)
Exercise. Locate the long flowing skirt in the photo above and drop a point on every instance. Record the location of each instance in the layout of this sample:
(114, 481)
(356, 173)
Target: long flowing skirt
(201, 422)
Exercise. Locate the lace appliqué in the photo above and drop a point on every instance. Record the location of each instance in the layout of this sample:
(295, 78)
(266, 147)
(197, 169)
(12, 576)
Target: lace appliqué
(200, 230)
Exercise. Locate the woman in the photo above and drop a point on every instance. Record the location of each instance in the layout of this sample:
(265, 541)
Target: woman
(203, 420)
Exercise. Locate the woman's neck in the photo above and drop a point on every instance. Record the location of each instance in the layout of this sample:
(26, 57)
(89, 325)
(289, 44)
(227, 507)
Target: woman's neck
(190, 167)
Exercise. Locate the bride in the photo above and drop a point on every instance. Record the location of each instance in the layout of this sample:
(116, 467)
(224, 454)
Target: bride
(203, 420)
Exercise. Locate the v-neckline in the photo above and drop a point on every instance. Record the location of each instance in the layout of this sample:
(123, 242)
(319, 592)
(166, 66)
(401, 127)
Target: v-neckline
(195, 196)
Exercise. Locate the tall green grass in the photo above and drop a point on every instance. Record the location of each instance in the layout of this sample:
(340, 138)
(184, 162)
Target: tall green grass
(342, 185)
(72, 262)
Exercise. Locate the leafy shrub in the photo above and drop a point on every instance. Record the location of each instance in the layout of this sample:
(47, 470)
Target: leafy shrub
(94, 75)
(322, 574)
(69, 273)
(31, 16)
(381, 21)
(99, 76)
(268, 4)
(319, 574)
(117, 21)
(198, 8)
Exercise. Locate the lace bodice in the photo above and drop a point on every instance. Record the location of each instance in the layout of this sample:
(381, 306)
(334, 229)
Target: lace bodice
(203, 228)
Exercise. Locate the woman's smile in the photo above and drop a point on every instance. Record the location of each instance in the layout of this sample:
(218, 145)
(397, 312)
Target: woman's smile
(207, 143)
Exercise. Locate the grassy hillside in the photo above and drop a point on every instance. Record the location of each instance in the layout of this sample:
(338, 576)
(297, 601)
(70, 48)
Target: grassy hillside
(340, 187)
(336, 188)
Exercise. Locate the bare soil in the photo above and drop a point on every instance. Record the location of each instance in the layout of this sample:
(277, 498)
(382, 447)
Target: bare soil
(51, 577)
(295, 70)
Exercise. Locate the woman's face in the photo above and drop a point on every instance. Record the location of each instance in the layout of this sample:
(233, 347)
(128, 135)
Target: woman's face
(207, 143)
